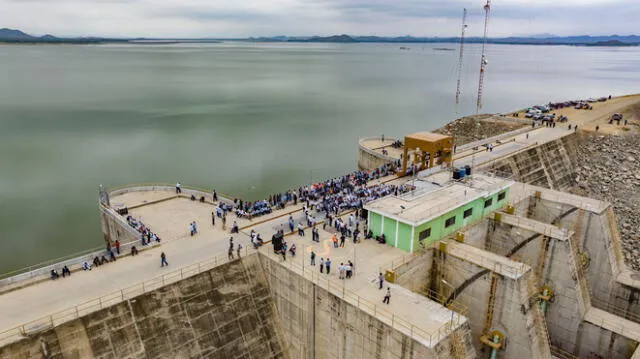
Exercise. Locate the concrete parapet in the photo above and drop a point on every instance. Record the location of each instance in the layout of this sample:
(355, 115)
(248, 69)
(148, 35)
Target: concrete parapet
(368, 158)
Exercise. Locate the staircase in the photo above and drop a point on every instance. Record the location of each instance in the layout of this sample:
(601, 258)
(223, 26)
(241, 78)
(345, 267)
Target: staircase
(461, 340)
(539, 321)
(575, 263)
(488, 323)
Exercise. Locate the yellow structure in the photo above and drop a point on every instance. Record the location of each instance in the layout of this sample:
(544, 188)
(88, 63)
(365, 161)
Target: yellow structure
(427, 149)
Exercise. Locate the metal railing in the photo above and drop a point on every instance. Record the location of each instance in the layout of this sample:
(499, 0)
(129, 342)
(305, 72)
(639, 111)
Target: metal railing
(492, 139)
(614, 325)
(532, 225)
(511, 269)
(152, 186)
(337, 288)
(82, 309)
(372, 152)
(562, 354)
(73, 261)
(616, 310)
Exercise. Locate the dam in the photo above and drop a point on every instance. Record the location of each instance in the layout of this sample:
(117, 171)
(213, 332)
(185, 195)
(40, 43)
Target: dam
(536, 273)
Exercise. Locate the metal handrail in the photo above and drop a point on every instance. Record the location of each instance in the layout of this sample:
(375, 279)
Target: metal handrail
(339, 290)
(107, 300)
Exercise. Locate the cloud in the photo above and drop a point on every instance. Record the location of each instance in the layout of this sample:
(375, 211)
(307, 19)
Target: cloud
(224, 18)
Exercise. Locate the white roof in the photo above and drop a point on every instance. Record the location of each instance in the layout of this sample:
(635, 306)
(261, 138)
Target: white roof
(430, 200)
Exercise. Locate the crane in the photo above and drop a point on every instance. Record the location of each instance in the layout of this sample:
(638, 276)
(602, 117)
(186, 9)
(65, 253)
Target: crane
(483, 59)
(460, 58)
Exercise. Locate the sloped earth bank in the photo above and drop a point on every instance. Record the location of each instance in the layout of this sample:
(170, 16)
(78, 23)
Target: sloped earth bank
(473, 128)
(608, 167)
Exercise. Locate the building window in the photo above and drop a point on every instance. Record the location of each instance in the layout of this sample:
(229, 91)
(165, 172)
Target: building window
(488, 203)
(501, 196)
(450, 222)
(424, 234)
(467, 213)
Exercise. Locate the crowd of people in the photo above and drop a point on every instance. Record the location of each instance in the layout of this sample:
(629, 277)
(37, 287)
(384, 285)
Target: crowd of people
(330, 197)
(146, 235)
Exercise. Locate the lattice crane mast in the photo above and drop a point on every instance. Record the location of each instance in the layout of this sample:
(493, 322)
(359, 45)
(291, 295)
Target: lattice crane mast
(460, 59)
(483, 59)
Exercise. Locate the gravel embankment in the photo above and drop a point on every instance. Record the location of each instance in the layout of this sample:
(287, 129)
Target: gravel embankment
(608, 168)
(473, 128)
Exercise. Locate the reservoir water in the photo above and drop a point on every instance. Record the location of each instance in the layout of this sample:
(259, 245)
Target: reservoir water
(248, 119)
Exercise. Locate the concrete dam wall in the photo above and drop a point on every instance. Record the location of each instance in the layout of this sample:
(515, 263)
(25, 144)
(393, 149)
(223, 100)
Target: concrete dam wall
(248, 308)
(318, 324)
(548, 165)
(226, 312)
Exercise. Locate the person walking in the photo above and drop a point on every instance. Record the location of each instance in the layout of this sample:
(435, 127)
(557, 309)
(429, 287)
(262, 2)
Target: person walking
(238, 250)
(163, 260)
(313, 258)
(321, 265)
(347, 270)
(380, 280)
(291, 224)
(328, 265)
(342, 239)
(387, 297)
(334, 239)
(213, 218)
(215, 196)
(118, 247)
(230, 253)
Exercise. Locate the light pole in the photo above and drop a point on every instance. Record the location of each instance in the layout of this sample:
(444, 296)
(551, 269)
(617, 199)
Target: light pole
(453, 291)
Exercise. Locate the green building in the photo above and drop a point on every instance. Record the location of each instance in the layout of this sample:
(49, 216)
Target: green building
(434, 211)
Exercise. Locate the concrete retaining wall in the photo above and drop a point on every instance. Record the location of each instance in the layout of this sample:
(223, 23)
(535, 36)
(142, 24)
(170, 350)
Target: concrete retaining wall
(414, 275)
(223, 313)
(548, 165)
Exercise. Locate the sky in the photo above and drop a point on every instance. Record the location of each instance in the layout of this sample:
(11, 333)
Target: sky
(245, 18)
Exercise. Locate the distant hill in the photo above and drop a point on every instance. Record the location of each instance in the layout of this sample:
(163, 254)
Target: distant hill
(335, 38)
(612, 43)
(533, 40)
(11, 34)
(17, 36)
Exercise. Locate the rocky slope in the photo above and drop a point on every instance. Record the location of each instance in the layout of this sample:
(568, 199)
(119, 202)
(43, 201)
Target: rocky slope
(608, 167)
(473, 128)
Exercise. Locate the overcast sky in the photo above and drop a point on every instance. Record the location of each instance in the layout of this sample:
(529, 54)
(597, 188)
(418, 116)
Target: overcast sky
(242, 18)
